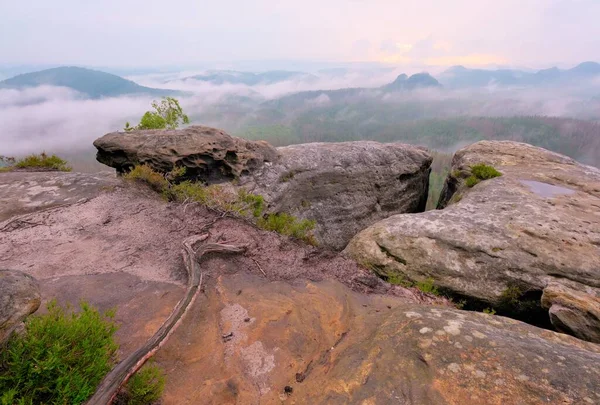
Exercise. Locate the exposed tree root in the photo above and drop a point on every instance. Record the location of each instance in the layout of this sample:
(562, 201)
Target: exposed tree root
(114, 380)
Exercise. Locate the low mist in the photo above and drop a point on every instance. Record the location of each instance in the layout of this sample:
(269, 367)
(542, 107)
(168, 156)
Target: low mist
(59, 120)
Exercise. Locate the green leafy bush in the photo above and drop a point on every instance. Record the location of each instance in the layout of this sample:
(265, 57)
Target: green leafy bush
(177, 174)
(224, 199)
(253, 202)
(167, 114)
(146, 386)
(145, 174)
(428, 287)
(218, 197)
(489, 311)
(398, 279)
(60, 359)
(42, 161)
(287, 224)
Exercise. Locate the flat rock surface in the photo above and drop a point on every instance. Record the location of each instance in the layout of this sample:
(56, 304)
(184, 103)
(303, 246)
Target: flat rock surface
(248, 339)
(22, 192)
(344, 186)
(505, 238)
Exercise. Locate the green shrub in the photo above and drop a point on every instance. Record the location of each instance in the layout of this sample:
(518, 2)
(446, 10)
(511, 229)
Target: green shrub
(242, 203)
(218, 197)
(145, 174)
(167, 114)
(471, 181)
(484, 172)
(60, 359)
(253, 202)
(489, 311)
(287, 224)
(146, 386)
(43, 161)
(511, 296)
(176, 174)
(188, 190)
(398, 279)
(428, 287)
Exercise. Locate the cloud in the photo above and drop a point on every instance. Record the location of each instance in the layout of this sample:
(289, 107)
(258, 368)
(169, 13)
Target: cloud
(431, 52)
(474, 60)
(57, 119)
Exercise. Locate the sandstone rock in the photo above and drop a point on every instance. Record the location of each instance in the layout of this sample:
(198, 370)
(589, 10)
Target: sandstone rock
(573, 311)
(507, 238)
(208, 153)
(19, 297)
(344, 187)
(24, 192)
(335, 346)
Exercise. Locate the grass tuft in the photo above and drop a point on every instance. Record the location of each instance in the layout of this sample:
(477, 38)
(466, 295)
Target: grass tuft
(427, 286)
(146, 386)
(61, 357)
(224, 199)
(287, 224)
(145, 174)
(41, 161)
(398, 279)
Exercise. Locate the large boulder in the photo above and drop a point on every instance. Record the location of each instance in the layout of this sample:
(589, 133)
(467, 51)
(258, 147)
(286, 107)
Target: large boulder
(321, 343)
(507, 240)
(344, 187)
(19, 297)
(207, 153)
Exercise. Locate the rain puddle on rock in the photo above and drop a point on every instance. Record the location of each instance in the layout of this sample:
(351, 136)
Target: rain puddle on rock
(546, 190)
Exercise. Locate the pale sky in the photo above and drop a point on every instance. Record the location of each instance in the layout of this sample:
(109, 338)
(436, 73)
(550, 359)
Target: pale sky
(523, 33)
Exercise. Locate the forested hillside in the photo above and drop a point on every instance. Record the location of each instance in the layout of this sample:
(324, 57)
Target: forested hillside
(575, 138)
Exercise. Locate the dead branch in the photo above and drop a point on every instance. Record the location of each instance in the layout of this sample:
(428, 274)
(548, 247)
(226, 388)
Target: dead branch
(258, 265)
(114, 380)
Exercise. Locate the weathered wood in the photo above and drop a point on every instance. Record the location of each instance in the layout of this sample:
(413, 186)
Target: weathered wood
(114, 380)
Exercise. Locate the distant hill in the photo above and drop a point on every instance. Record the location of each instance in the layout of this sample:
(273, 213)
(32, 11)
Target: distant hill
(402, 83)
(91, 83)
(251, 79)
(416, 81)
(461, 77)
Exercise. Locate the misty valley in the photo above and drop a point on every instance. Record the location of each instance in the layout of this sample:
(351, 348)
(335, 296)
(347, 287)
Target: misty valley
(61, 110)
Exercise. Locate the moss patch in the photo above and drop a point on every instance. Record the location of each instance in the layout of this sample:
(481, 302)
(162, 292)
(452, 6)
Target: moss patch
(480, 172)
